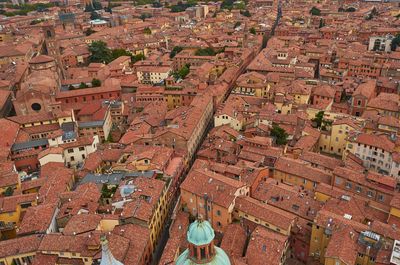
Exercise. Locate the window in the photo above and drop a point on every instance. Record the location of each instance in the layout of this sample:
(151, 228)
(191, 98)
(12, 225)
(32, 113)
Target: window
(348, 185)
(72, 158)
(381, 197)
(70, 150)
(83, 156)
(16, 262)
(36, 107)
(218, 212)
(358, 189)
(81, 148)
(370, 193)
(338, 180)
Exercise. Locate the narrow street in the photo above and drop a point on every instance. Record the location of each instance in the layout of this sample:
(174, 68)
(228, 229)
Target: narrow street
(165, 233)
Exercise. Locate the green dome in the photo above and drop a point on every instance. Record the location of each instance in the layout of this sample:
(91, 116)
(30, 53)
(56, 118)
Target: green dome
(200, 233)
(220, 258)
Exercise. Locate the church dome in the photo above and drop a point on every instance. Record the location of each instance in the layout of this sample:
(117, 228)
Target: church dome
(201, 249)
(200, 233)
(220, 258)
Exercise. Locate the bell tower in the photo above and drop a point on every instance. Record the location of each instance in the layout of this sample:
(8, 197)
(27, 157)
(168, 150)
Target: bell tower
(52, 47)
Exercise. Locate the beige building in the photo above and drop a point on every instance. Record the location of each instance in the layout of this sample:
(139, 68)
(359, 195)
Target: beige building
(333, 141)
(153, 74)
(252, 84)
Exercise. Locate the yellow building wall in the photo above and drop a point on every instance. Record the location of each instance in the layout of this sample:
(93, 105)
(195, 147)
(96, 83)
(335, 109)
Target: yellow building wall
(11, 217)
(268, 225)
(171, 104)
(395, 212)
(301, 99)
(321, 197)
(292, 179)
(318, 242)
(9, 260)
(332, 261)
(108, 225)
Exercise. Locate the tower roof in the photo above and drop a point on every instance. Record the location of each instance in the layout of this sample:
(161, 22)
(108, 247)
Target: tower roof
(41, 59)
(107, 257)
(200, 233)
(220, 258)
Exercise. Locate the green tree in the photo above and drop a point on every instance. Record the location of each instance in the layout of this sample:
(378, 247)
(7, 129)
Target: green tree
(157, 4)
(320, 122)
(279, 134)
(82, 85)
(245, 13)
(96, 82)
(180, 6)
(318, 119)
(205, 52)
(8, 192)
(97, 5)
(183, 72)
(237, 24)
(110, 138)
(137, 57)
(144, 16)
(99, 52)
(89, 32)
(175, 51)
(253, 31)
(395, 43)
(227, 4)
(350, 9)
(118, 53)
(71, 87)
(89, 8)
(315, 11)
(239, 5)
(321, 23)
(147, 31)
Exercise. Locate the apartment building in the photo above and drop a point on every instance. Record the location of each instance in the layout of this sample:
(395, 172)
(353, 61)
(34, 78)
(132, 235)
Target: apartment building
(334, 139)
(212, 196)
(375, 150)
(153, 74)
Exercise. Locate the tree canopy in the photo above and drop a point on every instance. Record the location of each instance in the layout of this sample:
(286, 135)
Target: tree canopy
(175, 51)
(253, 31)
(320, 122)
(245, 13)
(237, 24)
(315, 11)
(395, 43)
(8, 192)
(180, 6)
(279, 134)
(147, 31)
(96, 82)
(144, 16)
(99, 52)
(183, 72)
